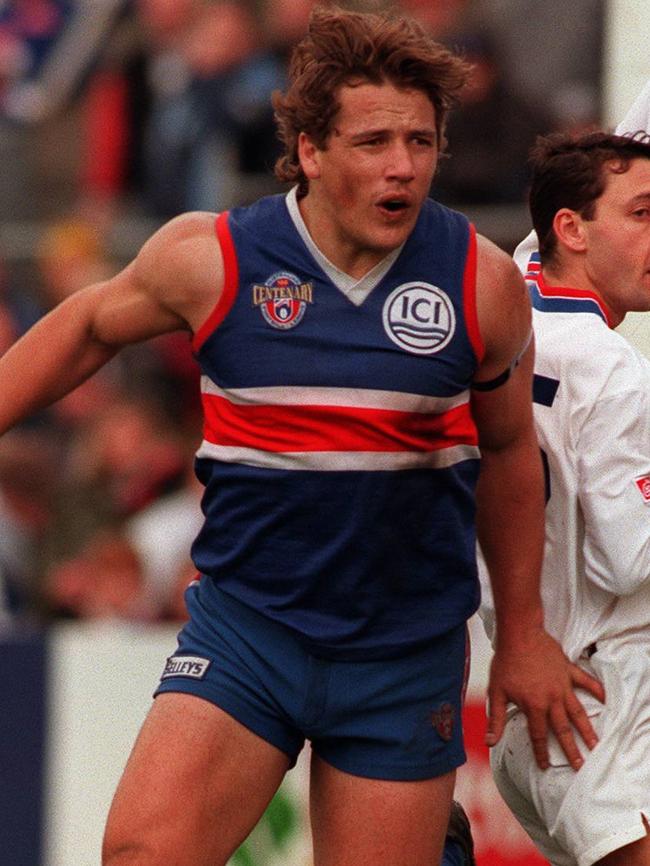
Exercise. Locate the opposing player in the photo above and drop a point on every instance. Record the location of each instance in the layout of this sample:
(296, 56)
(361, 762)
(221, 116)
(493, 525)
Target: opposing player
(590, 206)
(358, 345)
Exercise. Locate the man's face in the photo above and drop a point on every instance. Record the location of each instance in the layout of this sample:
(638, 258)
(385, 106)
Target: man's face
(367, 186)
(618, 253)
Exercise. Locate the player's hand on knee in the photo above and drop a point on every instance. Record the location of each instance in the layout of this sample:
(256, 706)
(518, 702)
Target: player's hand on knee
(536, 676)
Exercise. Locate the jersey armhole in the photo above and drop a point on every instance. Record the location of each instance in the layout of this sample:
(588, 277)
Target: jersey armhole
(469, 297)
(230, 282)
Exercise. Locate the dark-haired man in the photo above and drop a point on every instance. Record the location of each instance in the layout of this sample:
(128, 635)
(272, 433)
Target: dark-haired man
(590, 207)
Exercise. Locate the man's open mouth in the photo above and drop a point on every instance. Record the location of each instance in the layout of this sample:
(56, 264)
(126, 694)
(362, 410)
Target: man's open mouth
(394, 205)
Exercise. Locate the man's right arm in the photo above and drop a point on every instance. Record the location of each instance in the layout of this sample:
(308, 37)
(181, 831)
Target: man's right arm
(172, 284)
(510, 527)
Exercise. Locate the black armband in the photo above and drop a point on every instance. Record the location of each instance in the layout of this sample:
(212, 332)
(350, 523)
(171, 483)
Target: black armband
(502, 378)
(491, 384)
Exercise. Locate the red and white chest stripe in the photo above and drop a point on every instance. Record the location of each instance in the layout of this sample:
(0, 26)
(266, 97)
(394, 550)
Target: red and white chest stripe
(335, 428)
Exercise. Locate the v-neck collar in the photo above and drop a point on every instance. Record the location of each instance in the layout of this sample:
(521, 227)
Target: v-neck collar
(355, 290)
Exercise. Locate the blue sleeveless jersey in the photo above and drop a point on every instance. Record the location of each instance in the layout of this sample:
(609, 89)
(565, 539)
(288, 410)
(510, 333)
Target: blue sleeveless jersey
(339, 455)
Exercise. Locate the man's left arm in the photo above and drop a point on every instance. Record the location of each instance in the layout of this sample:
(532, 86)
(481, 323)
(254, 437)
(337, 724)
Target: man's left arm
(529, 667)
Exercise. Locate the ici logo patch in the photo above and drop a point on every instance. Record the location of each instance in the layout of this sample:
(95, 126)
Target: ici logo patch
(419, 318)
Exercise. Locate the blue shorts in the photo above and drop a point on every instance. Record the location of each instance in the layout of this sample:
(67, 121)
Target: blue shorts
(394, 719)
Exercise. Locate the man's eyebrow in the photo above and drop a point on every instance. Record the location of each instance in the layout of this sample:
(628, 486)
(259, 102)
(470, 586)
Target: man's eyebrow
(367, 133)
(427, 132)
(640, 198)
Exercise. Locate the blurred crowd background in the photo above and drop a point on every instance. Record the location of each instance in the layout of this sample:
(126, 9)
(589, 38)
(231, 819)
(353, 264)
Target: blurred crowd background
(115, 115)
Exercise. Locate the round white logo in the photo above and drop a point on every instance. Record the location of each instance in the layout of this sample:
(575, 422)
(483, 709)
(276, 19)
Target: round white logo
(419, 317)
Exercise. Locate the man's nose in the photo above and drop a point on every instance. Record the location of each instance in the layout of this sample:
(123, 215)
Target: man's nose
(401, 164)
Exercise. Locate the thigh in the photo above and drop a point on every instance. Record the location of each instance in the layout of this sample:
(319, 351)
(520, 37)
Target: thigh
(249, 666)
(196, 783)
(376, 821)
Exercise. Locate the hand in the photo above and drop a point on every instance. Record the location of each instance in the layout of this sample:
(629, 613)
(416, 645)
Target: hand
(537, 677)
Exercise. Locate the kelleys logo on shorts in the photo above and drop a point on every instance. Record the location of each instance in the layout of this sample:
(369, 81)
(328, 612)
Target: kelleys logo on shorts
(186, 666)
(419, 317)
(283, 299)
(442, 720)
(643, 484)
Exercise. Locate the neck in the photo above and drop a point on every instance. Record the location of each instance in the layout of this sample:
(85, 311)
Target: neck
(342, 252)
(575, 277)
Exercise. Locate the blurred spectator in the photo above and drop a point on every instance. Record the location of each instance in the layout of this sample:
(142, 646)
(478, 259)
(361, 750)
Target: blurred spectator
(71, 480)
(162, 108)
(161, 536)
(129, 453)
(29, 474)
(69, 256)
(46, 47)
(440, 17)
(284, 23)
(121, 511)
(209, 84)
(489, 134)
(103, 581)
(134, 571)
(233, 76)
(553, 51)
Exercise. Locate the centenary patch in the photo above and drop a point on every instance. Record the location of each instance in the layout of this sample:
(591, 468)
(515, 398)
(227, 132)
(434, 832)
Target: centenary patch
(283, 299)
(186, 666)
(643, 484)
(419, 318)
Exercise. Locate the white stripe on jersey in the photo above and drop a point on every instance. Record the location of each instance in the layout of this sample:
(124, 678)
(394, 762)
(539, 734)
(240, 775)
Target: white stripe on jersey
(340, 461)
(362, 398)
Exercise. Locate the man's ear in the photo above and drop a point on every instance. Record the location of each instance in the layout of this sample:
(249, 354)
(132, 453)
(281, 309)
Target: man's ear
(308, 154)
(569, 229)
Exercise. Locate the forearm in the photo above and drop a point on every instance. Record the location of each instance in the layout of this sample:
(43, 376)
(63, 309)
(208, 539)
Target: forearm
(50, 360)
(510, 526)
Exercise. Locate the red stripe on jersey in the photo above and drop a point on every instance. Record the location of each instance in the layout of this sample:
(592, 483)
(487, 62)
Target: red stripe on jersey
(230, 282)
(334, 428)
(547, 291)
(469, 297)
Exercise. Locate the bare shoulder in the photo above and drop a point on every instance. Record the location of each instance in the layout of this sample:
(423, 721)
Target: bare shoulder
(503, 305)
(499, 278)
(182, 267)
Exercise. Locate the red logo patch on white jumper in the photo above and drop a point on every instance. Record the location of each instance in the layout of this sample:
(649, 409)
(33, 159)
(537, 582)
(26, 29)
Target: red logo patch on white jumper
(283, 299)
(643, 484)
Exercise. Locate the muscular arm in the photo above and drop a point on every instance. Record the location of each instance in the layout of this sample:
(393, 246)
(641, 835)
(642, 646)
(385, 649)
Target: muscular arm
(172, 284)
(529, 667)
(510, 495)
